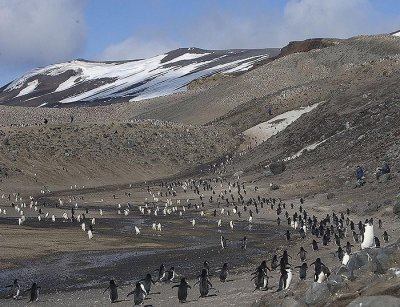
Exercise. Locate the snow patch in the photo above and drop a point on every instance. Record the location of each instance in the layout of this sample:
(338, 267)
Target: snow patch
(29, 88)
(188, 56)
(262, 132)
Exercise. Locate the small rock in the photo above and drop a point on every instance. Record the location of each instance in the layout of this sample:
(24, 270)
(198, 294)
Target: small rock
(375, 301)
(274, 186)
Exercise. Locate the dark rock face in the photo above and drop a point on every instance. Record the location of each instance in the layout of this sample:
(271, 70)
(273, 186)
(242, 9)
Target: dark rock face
(375, 301)
(277, 167)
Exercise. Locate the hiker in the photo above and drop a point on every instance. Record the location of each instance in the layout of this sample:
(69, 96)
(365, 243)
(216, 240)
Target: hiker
(383, 169)
(360, 175)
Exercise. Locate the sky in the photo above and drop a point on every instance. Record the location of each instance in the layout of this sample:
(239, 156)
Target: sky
(36, 33)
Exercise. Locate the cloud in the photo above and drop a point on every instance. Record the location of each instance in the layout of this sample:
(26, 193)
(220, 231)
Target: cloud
(220, 28)
(39, 32)
(136, 48)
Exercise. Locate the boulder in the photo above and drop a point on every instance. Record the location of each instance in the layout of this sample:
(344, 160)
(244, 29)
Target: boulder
(277, 167)
(336, 283)
(316, 294)
(375, 301)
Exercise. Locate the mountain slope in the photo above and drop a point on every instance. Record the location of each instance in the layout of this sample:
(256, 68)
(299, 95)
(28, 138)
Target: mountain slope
(82, 81)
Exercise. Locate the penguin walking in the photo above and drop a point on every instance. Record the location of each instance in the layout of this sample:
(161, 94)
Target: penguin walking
(170, 274)
(147, 281)
(303, 271)
(302, 254)
(204, 283)
(223, 274)
(139, 294)
(385, 236)
(182, 290)
(15, 289)
(90, 232)
(260, 279)
(33, 292)
(287, 235)
(314, 245)
(243, 243)
(161, 272)
(113, 291)
(377, 242)
(285, 279)
(320, 274)
(223, 242)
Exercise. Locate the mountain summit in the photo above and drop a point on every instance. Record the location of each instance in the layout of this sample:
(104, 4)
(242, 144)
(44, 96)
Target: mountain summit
(94, 83)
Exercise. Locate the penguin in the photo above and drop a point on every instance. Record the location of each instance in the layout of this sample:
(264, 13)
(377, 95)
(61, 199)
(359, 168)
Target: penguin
(223, 242)
(314, 245)
(204, 283)
(147, 281)
(302, 254)
(285, 257)
(113, 291)
(161, 272)
(377, 242)
(355, 237)
(346, 258)
(340, 254)
(223, 274)
(15, 289)
(385, 236)
(302, 233)
(34, 292)
(324, 274)
(348, 247)
(243, 243)
(90, 232)
(303, 271)
(288, 235)
(319, 274)
(182, 290)
(139, 294)
(260, 279)
(170, 274)
(206, 266)
(285, 279)
(274, 262)
(368, 240)
(380, 224)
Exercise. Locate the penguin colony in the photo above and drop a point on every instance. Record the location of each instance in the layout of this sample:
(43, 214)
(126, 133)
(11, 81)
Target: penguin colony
(227, 208)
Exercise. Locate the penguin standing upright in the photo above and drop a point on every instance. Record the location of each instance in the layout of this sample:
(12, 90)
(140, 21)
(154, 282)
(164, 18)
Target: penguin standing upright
(170, 274)
(161, 272)
(318, 268)
(34, 292)
(302, 254)
(243, 243)
(204, 283)
(303, 271)
(286, 278)
(15, 289)
(147, 281)
(182, 290)
(223, 274)
(139, 294)
(223, 242)
(260, 279)
(113, 291)
(368, 235)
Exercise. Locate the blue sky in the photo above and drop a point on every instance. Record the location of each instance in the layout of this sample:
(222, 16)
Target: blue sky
(36, 33)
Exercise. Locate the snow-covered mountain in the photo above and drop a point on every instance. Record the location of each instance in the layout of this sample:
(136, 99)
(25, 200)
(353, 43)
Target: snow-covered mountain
(92, 83)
